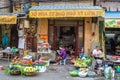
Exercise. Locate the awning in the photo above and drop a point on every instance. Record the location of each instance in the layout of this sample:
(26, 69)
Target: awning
(53, 11)
(112, 19)
(8, 18)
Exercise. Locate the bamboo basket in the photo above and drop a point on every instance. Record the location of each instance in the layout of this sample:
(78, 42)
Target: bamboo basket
(31, 73)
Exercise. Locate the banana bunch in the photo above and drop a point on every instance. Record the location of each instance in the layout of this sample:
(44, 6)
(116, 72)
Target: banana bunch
(30, 69)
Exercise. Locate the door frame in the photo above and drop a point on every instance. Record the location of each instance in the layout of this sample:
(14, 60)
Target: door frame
(77, 49)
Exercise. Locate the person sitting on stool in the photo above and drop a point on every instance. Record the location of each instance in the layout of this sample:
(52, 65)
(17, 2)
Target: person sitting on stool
(96, 55)
(62, 54)
(97, 52)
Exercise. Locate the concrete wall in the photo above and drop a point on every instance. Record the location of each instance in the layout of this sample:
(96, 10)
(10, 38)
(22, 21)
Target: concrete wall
(87, 34)
(111, 6)
(4, 3)
(42, 26)
(90, 41)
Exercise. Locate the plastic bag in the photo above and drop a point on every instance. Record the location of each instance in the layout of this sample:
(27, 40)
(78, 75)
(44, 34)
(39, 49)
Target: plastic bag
(108, 72)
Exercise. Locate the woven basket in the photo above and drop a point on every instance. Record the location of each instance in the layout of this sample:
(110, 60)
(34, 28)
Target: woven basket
(16, 72)
(31, 73)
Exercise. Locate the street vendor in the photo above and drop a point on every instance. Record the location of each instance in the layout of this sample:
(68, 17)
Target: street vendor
(97, 53)
(62, 55)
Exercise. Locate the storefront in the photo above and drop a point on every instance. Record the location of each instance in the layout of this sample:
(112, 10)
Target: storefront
(7, 22)
(112, 32)
(76, 26)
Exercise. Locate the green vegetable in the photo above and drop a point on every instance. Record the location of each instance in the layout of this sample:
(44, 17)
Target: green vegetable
(74, 73)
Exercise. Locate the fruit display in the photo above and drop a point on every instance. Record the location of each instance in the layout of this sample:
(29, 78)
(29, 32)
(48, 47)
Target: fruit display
(27, 62)
(14, 70)
(40, 62)
(26, 66)
(84, 62)
(45, 58)
(30, 69)
(16, 60)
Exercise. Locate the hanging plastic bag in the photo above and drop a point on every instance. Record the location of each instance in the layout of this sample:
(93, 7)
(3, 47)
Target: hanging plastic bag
(5, 40)
(108, 72)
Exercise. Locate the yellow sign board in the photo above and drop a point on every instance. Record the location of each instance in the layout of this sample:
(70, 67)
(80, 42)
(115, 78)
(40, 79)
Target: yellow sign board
(8, 19)
(65, 13)
(112, 23)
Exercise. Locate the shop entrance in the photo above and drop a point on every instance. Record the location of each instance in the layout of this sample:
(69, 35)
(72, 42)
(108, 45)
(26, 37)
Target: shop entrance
(68, 33)
(112, 41)
(66, 37)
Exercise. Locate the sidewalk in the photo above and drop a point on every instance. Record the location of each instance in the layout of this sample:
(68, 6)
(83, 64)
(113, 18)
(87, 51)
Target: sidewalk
(59, 72)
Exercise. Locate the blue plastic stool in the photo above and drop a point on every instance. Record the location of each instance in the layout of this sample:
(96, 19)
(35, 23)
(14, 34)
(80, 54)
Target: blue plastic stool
(63, 62)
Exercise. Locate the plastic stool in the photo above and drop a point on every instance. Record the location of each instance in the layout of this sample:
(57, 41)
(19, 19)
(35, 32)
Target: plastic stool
(63, 62)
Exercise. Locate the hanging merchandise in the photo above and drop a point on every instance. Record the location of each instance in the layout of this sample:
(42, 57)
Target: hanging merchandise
(108, 72)
(20, 33)
(5, 40)
(21, 25)
(26, 24)
(21, 43)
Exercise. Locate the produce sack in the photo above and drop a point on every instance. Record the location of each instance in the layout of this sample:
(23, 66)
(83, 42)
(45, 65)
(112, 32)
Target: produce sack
(108, 72)
(82, 74)
(41, 68)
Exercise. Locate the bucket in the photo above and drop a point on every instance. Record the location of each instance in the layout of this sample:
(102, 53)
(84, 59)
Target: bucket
(1, 67)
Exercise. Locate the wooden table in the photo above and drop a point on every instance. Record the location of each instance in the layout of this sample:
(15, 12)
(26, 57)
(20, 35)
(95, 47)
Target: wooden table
(112, 62)
(8, 55)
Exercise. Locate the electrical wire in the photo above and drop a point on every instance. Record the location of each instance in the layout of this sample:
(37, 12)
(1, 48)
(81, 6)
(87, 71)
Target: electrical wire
(13, 4)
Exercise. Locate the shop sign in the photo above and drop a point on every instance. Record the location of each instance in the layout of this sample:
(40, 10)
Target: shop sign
(17, 8)
(113, 23)
(8, 19)
(34, 4)
(65, 13)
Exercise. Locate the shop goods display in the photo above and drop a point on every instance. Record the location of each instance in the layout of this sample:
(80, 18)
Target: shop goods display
(27, 67)
(45, 58)
(40, 62)
(1, 68)
(27, 57)
(14, 70)
(84, 62)
(108, 72)
(27, 62)
(117, 68)
(30, 71)
(74, 73)
(41, 65)
(82, 74)
(91, 74)
(41, 68)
